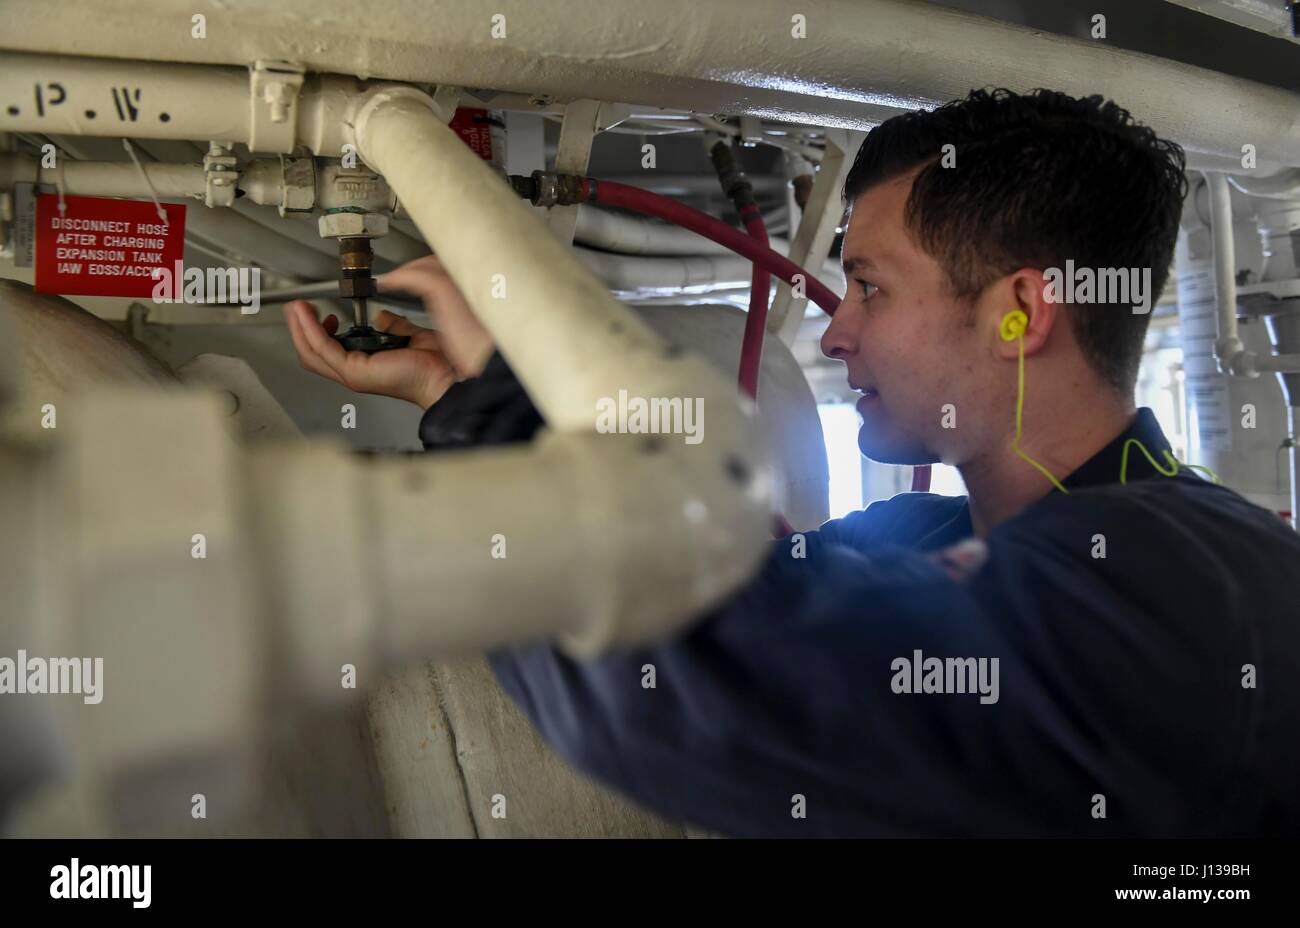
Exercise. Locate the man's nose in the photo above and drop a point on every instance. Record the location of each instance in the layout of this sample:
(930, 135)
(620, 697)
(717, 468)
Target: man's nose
(841, 337)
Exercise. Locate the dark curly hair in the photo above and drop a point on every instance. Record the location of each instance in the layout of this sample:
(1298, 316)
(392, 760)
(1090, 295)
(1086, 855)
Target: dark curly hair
(1039, 178)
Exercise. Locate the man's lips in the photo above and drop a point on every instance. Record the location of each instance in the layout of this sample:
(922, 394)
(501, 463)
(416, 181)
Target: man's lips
(869, 396)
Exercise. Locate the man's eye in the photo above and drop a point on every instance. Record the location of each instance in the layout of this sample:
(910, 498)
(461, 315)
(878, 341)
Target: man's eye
(868, 290)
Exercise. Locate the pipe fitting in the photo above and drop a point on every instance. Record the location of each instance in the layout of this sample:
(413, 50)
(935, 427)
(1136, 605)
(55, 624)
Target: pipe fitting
(351, 224)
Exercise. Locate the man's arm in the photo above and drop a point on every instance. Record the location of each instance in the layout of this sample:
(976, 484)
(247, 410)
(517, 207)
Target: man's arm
(1103, 718)
(490, 409)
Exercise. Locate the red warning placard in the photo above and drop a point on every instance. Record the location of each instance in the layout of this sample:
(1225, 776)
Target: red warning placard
(98, 246)
(474, 130)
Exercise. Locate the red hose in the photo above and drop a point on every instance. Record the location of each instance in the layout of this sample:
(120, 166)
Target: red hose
(643, 201)
(752, 246)
(751, 345)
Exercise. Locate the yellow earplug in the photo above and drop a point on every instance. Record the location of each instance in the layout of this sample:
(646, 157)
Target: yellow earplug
(1013, 325)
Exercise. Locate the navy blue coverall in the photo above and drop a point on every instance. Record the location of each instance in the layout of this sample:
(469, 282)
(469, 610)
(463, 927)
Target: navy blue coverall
(1154, 691)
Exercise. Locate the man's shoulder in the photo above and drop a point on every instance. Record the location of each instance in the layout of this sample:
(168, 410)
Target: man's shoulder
(1162, 499)
(903, 519)
(1183, 518)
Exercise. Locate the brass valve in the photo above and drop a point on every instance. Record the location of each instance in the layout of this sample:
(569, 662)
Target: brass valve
(356, 284)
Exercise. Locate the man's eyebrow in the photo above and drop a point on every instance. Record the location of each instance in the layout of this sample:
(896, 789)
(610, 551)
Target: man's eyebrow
(857, 262)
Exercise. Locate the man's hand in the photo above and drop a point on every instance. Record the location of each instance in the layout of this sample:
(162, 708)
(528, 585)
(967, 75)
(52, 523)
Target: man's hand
(419, 373)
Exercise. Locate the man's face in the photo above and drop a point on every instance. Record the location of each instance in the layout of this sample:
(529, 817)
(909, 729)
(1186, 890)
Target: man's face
(909, 345)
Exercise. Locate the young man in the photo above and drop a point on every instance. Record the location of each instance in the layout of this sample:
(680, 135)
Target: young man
(1063, 652)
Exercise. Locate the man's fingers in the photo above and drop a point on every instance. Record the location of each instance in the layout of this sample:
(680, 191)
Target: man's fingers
(323, 349)
(398, 325)
(306, 356)
(428, 279)
(330, 352)
(414, 277)
(462, 338)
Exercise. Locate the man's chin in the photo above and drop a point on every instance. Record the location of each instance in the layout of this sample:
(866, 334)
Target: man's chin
(882, 450)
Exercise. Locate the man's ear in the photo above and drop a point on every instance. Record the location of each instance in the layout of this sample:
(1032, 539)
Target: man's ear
(1021, 291)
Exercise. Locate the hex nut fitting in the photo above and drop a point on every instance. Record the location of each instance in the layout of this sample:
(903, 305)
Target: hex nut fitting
(353, 225)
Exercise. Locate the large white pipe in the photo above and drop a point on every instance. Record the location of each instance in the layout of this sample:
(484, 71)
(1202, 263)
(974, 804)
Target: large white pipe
(862, 60)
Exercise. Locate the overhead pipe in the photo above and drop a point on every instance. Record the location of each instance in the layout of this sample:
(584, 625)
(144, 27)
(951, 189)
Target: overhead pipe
(1281, 186)
(106, 178)
(677, 273)
(873, 58)
(261, 180)
(58, 95)
(634, 235)
(666, 272)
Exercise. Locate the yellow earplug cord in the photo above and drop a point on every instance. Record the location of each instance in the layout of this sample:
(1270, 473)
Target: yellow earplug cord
(1013, 327)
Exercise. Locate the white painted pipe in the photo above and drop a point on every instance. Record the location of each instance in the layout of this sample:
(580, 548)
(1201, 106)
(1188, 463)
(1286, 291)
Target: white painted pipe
(627, 273)
(634, 235)
(862, 60)
(105, 178)
(52, 94)
(676, 185)
(1277, 363)
(1281, 186)
(261, 180)
(667, 272)
(1229, 350)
